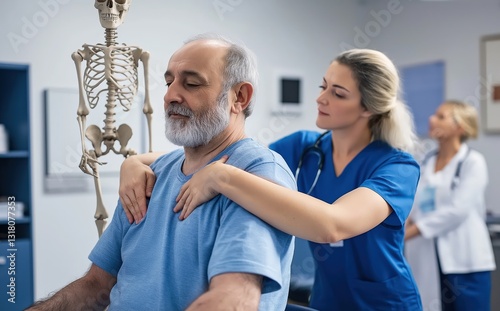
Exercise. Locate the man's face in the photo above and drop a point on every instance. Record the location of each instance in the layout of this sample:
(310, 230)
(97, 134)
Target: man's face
(196, 107)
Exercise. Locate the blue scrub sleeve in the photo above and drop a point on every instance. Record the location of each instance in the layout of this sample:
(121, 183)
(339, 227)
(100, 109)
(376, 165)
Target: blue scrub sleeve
(396, 182)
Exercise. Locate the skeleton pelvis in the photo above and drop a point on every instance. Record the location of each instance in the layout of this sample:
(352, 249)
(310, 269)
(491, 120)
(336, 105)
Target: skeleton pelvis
(94, 134)
(97, 137)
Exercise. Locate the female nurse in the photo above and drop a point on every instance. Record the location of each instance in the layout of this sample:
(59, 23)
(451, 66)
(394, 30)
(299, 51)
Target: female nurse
(448, 244)
(354, 213)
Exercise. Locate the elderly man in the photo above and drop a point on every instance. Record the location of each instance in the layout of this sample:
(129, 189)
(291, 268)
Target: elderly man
(221, 257)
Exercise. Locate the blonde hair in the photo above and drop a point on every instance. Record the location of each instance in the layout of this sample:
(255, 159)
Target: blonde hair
(466, 117)
(378, 83)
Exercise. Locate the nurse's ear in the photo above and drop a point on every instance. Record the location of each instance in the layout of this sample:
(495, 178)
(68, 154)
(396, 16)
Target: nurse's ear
(366, 113)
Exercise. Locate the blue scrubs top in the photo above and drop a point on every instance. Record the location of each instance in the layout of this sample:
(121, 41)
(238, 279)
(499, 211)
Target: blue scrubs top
(369, 271)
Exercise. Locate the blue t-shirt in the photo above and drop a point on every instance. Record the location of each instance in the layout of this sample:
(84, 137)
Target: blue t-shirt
(165, 264)
(369, 271)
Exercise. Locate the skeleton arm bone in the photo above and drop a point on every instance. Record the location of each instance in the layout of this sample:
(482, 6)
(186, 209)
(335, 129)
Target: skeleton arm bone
(82, 112)
(100, 213)
(78, 57)
(148, 109)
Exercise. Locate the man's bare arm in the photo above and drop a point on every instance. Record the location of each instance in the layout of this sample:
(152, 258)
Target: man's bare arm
(230, 291)
(90, 292)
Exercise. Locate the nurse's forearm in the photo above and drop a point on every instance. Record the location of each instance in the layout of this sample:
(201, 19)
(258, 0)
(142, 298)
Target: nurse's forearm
(283, 208)
(146, 158)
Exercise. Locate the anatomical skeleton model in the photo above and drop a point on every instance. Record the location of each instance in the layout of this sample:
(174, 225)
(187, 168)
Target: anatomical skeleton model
(109, 68)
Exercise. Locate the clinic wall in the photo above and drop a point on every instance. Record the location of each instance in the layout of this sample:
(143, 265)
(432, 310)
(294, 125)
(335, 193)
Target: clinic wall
(451, 30)
(293, 35)
(284, 34)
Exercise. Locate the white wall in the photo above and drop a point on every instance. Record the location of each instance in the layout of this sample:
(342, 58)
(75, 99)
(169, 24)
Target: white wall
(283, 34)
(449, 31)
(296, 34)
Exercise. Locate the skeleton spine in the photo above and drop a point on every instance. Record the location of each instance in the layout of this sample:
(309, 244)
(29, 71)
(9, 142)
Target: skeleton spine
(109, 122)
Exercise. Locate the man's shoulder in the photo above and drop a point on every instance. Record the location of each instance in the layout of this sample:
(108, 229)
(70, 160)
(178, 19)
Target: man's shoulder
(255, 158)
(247, 152)
(167, 159)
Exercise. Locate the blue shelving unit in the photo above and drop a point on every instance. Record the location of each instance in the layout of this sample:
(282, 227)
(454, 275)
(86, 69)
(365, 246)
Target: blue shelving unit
(16, 260)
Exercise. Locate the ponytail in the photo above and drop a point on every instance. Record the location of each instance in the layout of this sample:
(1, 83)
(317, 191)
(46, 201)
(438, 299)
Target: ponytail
(378, 82)
(395, 127)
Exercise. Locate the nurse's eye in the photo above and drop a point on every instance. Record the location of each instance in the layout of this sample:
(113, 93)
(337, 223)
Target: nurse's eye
(322, 87)
(339, 95)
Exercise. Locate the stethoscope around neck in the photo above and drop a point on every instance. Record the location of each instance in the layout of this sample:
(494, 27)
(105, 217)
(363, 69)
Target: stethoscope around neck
(456, 176)
(319, 153)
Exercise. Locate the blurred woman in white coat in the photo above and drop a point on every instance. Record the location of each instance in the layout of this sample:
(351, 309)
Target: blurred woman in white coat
(447, 241)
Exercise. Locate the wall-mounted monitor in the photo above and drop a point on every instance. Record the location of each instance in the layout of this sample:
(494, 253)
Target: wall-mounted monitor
(288, 93)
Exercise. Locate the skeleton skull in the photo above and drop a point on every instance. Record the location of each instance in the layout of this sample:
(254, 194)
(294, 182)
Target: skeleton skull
(112, 12)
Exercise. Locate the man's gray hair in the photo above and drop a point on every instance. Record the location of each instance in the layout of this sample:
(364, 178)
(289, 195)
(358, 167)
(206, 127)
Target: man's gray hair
(240, 66)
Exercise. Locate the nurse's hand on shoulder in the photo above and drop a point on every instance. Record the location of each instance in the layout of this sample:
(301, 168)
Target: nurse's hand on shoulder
(136, 184)
(201, 187)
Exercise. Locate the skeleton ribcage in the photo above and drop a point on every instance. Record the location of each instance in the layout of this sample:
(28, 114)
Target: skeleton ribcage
(116, 65)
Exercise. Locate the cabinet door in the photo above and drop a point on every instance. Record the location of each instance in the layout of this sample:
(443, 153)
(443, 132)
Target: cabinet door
(15, 275)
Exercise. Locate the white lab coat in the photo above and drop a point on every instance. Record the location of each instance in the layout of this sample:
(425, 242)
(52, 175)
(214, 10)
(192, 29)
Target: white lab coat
(457, 224)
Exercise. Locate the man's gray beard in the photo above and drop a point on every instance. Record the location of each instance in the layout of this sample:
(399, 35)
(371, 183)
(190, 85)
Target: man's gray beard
(200, 129)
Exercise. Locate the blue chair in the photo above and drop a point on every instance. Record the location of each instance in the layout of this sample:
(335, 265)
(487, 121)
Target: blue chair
(290, 307)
